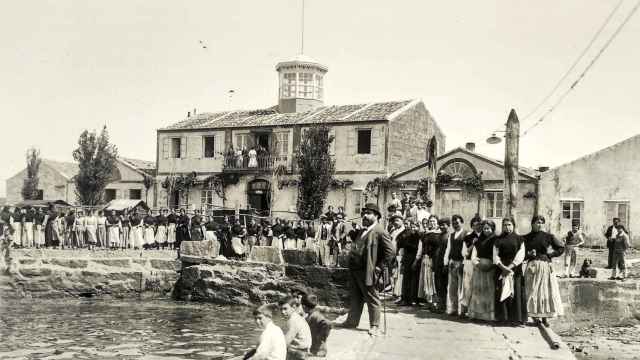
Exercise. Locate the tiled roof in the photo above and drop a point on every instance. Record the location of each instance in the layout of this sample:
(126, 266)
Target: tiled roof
(142, 165)
(67, 169)
(271, 116)
(70, 169)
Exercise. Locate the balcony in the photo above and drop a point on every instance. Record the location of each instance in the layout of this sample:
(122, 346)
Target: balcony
(262, 163)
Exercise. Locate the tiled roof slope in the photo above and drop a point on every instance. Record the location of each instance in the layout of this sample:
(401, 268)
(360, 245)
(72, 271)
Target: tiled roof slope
(66, 169)
(142, 165)
(271, 116)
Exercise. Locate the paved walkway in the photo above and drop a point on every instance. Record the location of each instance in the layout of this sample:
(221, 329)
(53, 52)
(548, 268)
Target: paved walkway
(418, 334)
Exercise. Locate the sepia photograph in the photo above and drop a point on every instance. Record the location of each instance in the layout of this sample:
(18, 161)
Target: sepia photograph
(320, 179)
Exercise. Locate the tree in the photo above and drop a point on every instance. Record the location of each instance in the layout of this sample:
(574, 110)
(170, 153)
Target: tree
(96, 159)
(316, 169)
(30, 184)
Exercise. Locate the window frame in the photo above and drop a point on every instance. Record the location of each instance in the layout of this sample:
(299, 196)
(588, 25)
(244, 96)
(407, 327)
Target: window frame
(204, 146)
(569, 214)
(113, 191)
(491, 202)
(176, 150)
(623, 220)
(131, 192)
(357, 200)
(358, 131)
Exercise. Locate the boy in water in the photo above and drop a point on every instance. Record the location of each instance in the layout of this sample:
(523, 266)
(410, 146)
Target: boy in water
(320, 327)
(298, 336)
(272, 345)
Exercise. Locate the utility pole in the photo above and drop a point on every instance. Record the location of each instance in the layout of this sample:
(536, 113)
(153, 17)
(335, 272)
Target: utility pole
(511, 153)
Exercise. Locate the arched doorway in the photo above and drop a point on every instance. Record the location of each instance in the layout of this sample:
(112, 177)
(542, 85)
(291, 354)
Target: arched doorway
(258, 192)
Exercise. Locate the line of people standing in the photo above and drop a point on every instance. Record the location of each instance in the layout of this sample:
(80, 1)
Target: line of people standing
(477, 274)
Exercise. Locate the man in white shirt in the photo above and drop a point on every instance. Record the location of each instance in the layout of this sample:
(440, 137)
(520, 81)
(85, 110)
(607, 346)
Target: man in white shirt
(298, 336)
(422, 212)
(272, 345)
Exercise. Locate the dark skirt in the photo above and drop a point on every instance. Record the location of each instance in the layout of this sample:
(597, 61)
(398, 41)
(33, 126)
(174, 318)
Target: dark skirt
(410, 281)
(514, 308)
(182, 234)
(196, 234)
(50, 237)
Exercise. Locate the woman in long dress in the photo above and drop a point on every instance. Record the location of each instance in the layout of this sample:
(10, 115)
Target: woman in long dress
(149, 230)
(113, 230)
(91, 229)
(253, 158)
(408, 241)
(52, 229)
(541, 284)
(211, 228)
(172, 219)
(126, 229)
(196, 227)
(426, 280)
(17, 218)
(397, 227)
(508, 255)
(483, 284)
(467, 271)
(161, 229)
(38, 230)
(311, 236)
(70, 236)
(102, 230)
(182, 229)
(79, 238)
(136, 236)
(29, 217)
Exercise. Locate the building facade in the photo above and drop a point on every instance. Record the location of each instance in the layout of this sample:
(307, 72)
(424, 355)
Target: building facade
(459, 166)
(593, 190)
(56, 181)
(370, 140)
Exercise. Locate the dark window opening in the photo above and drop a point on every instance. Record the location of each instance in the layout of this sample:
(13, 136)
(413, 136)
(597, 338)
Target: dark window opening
(209, 147)
(109, 194)
(135, 194)
(175, 147)
(364, 141)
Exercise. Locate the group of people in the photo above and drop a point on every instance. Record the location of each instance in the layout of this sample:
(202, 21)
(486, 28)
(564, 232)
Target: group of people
(241, 157)
(306, 334)
(472, 273)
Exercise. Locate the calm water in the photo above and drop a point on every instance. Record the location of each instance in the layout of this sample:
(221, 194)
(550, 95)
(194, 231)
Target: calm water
(102, 329)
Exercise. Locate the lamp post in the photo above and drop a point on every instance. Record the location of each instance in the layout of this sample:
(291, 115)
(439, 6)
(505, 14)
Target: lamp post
(511, 155)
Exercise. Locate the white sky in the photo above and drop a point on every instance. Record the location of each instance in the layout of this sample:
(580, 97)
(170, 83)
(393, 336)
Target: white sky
(137, 65)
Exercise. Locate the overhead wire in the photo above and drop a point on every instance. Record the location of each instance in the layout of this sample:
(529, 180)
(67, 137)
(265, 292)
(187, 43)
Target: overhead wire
(575, 63)
(584, 72)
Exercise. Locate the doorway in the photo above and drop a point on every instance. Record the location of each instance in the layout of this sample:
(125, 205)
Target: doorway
(258, 192)
(263, 140)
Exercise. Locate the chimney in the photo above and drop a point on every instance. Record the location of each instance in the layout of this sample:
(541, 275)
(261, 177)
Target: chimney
(543, 169)
(470, 146)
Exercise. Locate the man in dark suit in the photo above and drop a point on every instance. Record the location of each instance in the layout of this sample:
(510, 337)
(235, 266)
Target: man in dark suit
(611, 234)
(370, 253)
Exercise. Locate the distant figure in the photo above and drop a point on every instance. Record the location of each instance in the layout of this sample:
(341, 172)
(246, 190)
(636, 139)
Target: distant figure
(573, 239)
(611, 234)
(620, 247)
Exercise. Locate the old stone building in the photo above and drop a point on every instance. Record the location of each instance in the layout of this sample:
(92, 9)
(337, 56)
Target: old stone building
(593, 190)
(371, 140)
(56, 181)
(456, 192)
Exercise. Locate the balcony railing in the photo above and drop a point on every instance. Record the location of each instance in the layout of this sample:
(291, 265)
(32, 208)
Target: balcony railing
(259, 163)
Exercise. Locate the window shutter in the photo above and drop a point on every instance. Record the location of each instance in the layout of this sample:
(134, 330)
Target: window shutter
(183, 147)
(218, 143)
(166, 146)
(195, 147)
(351, 141)
(375, 140)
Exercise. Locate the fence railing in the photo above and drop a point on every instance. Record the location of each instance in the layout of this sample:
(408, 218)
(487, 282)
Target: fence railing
(257, 163)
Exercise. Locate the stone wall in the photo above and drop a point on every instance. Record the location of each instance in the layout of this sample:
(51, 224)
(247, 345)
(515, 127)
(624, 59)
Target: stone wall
(62, 273)
(594, 301)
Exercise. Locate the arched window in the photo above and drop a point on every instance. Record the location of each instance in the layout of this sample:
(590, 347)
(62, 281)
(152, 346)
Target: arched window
(459, 170)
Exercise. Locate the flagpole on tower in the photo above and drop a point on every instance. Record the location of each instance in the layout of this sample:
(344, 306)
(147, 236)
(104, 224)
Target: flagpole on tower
(302, 31)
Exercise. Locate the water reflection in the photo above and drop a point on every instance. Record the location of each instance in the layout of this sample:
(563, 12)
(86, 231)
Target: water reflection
(132, 329)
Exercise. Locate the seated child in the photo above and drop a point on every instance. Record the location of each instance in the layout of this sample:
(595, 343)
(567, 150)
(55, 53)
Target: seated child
(298, 336)
(320, 327)
(272, 345)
